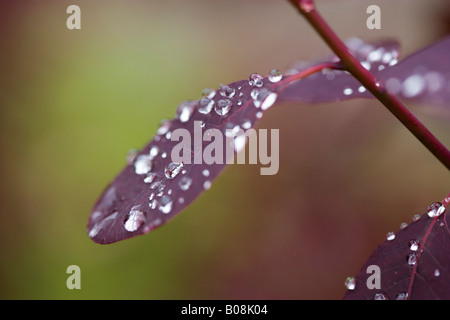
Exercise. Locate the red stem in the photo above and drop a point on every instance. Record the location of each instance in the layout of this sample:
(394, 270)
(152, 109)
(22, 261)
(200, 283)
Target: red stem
(352, 65)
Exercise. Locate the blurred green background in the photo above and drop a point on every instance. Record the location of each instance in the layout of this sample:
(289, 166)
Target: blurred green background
(73, 102)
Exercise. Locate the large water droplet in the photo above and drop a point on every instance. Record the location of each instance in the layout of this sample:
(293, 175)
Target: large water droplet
(143, 164)
(414, 245)
(165, 204)
(350, 283)
(265, 99)
(435, 209)
(227, 91)
(255, 80)
(205, 105)
(173, 169)
(223, 107)
(185, 183)
(135, 219)
(275, 75)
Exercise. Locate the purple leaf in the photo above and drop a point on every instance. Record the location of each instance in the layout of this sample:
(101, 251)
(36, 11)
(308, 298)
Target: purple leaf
(414, 263)
(337, 85)
(424, 76)
(153, 188)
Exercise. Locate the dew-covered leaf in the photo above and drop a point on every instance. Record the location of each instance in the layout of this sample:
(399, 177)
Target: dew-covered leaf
(337, 85)
(413, 263)
(204, 137)
(423, 76)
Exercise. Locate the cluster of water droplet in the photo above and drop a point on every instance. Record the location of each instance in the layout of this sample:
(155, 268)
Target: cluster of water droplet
(218, 102)
(434, 210)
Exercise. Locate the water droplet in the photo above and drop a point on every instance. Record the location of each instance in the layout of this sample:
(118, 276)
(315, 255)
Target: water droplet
(259, 115)
(435, 209)
(173, 169)
(99, 225)
(348, 91)
(413, 86)
(350, 283)
(437, 273)
(207, 185)
(247, 124)
(403, 225)
(401, 296)
(254, 94)
(256, 80)
(414, 245)
(135, 219)
(380, 296)
(275, 75)
(165, 204)
(390, 236)
(393, 62)
(223, 107)
(151, 176)
(416, 217)
(164, 155)
(180, 200)
(154, 150)
(153, 204)
(185, 110)
(185, 183)
(143, 164)
(205, 172)
(208, 93)
(227, 91)
(164, 127)
(265, 99)
(362, 89)
(157, 185)
(205, 105)
(412, 258)
(375, 55)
